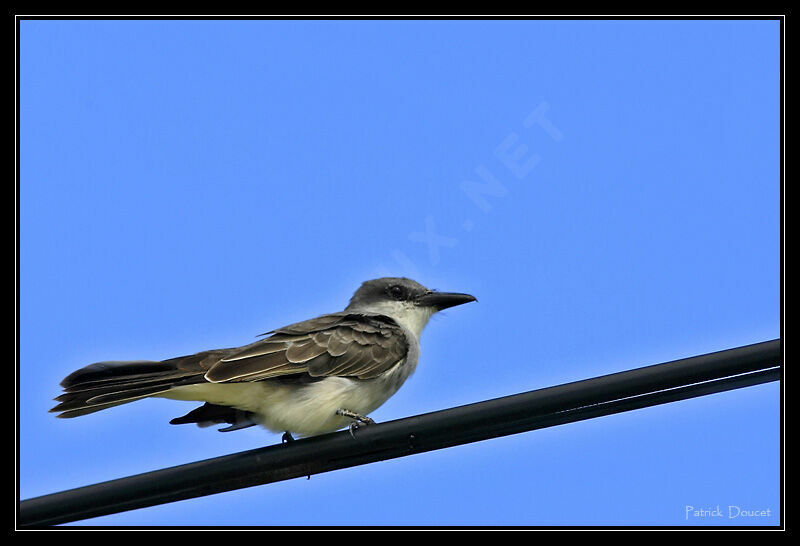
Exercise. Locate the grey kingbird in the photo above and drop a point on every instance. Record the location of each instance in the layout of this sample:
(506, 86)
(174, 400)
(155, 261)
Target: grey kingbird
(307, 378)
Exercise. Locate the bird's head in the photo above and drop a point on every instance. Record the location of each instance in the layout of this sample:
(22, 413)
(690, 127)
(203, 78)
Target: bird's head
(404, 300)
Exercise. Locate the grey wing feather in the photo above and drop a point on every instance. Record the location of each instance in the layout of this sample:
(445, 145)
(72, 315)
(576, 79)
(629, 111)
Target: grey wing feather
(344, 344)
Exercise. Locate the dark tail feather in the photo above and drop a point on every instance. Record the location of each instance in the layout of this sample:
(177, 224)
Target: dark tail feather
(212, 414)
(106, 384)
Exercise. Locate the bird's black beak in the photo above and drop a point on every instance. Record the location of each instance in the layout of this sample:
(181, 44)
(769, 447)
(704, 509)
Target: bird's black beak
(444, 300)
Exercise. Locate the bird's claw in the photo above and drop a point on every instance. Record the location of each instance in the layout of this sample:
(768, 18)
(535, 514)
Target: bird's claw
(358, 420)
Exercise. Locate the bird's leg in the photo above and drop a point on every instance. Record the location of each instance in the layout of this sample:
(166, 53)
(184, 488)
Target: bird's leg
(363, 419)
(287, 437)
(358, 419)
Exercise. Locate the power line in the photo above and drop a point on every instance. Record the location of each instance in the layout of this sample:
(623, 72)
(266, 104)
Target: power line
(570, 402)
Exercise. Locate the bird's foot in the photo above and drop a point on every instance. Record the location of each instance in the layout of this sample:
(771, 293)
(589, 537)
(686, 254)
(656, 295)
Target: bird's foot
(358, 420)
(287, 437)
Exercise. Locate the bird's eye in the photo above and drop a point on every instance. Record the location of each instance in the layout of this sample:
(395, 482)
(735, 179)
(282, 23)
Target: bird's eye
(397, 292)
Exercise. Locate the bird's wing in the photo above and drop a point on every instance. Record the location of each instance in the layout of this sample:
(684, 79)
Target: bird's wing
(341, 344)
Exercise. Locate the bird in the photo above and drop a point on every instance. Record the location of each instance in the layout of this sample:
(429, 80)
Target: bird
(305, 379)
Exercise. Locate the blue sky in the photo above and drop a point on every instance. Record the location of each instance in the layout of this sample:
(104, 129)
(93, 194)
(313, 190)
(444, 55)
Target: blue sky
(609, 190)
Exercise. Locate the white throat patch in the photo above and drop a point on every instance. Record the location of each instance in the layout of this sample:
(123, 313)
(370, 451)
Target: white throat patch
(413, 317)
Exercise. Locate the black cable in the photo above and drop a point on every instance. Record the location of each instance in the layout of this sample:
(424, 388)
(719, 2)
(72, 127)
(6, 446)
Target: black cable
(570, 402)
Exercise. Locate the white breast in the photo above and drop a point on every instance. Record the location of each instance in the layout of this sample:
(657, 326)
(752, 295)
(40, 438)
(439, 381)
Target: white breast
(306, 409)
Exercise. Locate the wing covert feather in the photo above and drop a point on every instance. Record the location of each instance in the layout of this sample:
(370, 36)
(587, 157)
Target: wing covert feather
(341, 344)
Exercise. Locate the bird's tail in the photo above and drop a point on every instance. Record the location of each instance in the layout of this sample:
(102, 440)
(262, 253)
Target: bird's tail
(106, 384)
